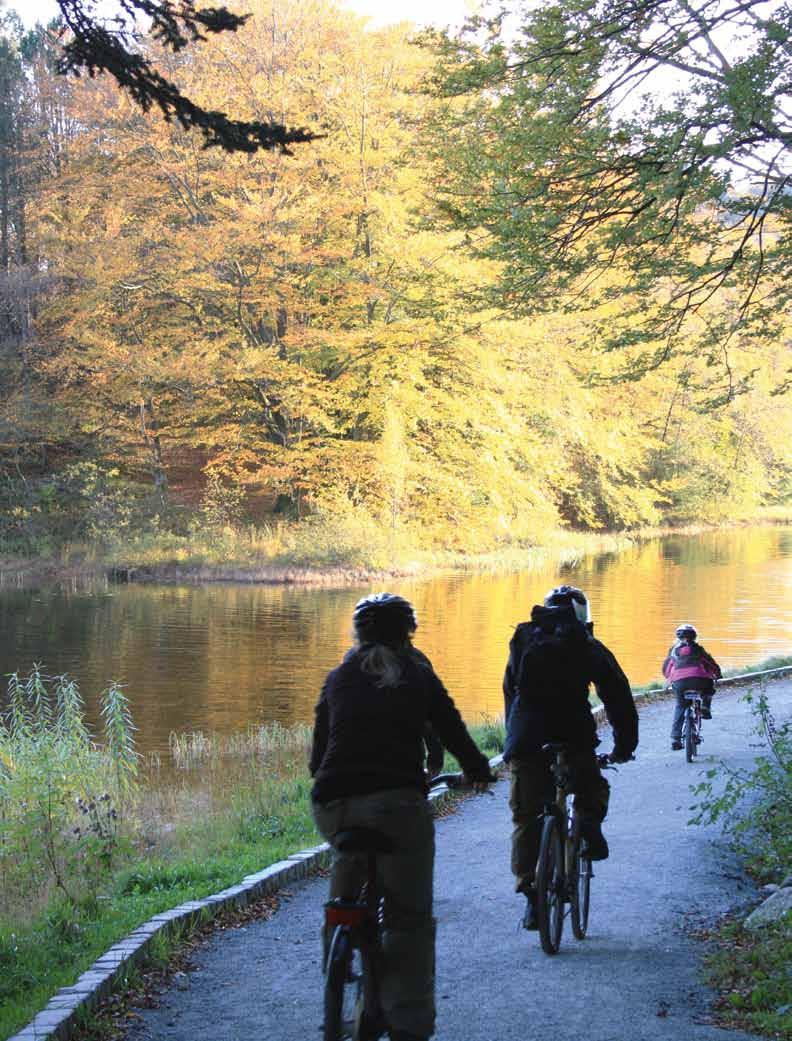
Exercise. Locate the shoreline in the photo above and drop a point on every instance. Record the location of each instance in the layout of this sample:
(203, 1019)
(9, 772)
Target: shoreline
(24, 574)
(126, 565)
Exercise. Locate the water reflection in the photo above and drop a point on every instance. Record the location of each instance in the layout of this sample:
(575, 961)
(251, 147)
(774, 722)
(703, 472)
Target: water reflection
(220, 656)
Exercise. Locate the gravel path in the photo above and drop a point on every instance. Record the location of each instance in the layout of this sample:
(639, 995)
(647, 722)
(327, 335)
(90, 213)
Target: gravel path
(634, 979)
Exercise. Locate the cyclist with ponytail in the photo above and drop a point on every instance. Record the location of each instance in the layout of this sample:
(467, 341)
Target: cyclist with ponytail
(367, 763)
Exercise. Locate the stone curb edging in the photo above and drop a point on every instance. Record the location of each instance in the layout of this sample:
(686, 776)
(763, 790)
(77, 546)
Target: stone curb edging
(69, 1005)
(64, 1010)
(747, 677)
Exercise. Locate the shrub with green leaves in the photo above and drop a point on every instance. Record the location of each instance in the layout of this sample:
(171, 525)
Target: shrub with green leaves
(751, 970)
(762, 836)
(85, 501)
(61, 793)
(222, 503)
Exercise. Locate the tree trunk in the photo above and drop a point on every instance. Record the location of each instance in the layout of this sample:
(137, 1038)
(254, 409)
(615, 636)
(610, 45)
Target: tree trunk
(149, 428)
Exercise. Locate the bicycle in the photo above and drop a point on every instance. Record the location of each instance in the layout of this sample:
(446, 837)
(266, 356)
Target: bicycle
(353, 962)
(691, 724)
(563, 871)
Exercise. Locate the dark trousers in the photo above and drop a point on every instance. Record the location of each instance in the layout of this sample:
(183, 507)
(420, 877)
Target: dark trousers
(706, 688)
(532, 786)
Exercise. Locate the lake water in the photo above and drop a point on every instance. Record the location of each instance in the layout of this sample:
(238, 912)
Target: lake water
(220, 657)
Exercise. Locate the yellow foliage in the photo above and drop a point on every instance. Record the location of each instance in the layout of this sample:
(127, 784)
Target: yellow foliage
(303, 325)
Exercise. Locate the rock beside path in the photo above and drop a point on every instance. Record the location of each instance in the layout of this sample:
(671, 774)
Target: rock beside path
(770, 910)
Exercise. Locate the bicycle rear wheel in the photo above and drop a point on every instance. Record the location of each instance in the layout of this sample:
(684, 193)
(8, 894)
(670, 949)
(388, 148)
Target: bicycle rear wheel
(550, 887)
(690, 735)
(579, 890)
(342, 992)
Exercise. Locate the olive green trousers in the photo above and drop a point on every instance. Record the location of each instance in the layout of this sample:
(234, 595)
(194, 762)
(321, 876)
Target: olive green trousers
(406, 876)
(532, 787)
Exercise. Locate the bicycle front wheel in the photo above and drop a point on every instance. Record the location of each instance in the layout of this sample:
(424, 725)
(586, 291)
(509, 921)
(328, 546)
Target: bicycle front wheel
(342, 988)
(550, 887)
(579, 890)
(690, 735)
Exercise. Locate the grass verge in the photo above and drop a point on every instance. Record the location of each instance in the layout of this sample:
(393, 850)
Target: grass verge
(40, 956)
(751, 970)
(775, 662)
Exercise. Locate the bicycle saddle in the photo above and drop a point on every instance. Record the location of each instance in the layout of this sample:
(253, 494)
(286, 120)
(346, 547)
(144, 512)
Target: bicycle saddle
(554, 746)
(362, 840)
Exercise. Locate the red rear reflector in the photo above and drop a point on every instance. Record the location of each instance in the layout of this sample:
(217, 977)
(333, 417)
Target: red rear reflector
(345, 914)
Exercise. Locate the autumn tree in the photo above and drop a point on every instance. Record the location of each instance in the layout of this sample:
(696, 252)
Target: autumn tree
(301, 333)
(24, 129)
(630, 146)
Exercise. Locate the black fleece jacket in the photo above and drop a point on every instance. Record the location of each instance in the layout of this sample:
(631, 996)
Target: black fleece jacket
(553, 704)
(368, 738)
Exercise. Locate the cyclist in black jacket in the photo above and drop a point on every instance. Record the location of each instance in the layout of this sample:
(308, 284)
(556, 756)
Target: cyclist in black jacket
(367, 763)
(552, 661)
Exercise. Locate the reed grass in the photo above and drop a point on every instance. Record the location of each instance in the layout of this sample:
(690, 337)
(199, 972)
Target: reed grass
(62, 794)
(278, 745)
(353, 543)
(340, 549)
(92, 842)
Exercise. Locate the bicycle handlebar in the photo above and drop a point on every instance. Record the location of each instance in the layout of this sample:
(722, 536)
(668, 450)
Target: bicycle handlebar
(457, 780)
(604, 760)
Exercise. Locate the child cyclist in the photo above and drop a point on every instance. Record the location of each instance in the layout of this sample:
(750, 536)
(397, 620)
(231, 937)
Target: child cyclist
(689, 667)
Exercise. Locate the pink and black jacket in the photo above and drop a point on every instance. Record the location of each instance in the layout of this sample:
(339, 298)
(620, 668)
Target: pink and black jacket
(689, 661)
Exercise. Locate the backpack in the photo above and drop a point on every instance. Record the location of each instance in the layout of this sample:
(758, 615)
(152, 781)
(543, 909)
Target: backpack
(550, 653)
(695, 655)
(550, 661)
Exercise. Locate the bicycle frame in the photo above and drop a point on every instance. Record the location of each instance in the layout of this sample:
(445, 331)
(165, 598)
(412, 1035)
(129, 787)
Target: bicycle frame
(694, 701)
(559, 808)
(556, 864)
(569, 821)
(563, 870)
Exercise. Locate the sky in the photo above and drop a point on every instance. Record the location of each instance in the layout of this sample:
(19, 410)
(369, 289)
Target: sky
(381, 12)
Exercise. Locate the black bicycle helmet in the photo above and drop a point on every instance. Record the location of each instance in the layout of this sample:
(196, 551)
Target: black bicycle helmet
(384, 618)
(685, 631)
(570, 596)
